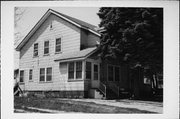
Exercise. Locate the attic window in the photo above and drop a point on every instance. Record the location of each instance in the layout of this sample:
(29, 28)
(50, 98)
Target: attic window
(35, 49)
(51, 26)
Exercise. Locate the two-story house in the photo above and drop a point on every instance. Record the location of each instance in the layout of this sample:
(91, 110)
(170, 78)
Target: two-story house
(59, 57)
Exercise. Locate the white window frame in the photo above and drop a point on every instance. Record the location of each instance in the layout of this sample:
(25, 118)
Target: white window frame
(45, 75)
(91, 70)
(21, 76)
(36, 50)
(74, 62)
(58, 45)
(113, 73)
(46, 47)
(98, 68)
(30, 75)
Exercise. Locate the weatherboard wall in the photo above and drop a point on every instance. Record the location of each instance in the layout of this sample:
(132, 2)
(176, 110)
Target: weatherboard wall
(70, 36)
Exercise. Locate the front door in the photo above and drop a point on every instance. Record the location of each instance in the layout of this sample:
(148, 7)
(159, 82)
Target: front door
(95, 75)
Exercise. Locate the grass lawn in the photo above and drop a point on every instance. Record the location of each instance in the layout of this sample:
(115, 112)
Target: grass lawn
(70, 106)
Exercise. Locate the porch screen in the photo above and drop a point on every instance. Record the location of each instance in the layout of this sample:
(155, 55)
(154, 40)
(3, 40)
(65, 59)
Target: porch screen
(110, 73)
(78, 69)
(71, 70)
(95, 72)
(88, 70)
(117, 73)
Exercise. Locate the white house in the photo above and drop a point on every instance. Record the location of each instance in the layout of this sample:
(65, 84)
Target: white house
(59, 57)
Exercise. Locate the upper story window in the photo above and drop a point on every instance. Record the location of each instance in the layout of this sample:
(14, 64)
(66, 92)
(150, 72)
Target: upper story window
(21, 76)
(58, 45)
(35, 49)
(96, 72)
(46, 47)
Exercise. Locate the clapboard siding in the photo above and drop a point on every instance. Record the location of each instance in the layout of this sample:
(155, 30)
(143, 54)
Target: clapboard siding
(70, 39)
(89, 39)
(92, 39)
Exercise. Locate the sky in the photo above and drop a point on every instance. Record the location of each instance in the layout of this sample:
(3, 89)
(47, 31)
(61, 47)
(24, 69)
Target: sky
(33, 14)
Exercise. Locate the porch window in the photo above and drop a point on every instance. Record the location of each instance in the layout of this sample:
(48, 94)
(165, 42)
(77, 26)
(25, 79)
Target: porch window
(78, 69)
(95, 72)
(71, 70)
(88, 70)
(49, 74)
(21, 76)
(42, 74)
(117, 73)
(58, 45)
(35, 50)
(46, 47)
(110, 73)
(30, 74)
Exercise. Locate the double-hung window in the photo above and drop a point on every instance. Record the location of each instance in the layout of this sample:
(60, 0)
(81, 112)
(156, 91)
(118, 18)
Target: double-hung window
(75, 70)
(21, 76)
(30, 74)
(49, 74)
(58, 45)
(45, 74)
(35, 50)
(46, 47)
(42, 74)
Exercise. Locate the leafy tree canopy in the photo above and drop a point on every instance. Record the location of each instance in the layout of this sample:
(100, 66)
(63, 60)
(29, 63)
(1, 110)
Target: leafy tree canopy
(133, 36)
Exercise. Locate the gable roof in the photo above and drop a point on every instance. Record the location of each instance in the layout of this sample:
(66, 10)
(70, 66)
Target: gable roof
(74, 21)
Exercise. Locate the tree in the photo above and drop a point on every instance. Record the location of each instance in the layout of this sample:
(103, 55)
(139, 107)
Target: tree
(133, 36)
(18, 14)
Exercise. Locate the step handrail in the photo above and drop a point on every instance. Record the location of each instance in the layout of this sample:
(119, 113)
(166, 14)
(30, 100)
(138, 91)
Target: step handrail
(103, 88)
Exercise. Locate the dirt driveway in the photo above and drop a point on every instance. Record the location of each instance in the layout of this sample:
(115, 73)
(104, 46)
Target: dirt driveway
(125, 103)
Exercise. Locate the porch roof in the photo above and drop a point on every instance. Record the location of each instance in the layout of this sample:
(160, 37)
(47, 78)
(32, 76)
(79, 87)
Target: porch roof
(82, 54)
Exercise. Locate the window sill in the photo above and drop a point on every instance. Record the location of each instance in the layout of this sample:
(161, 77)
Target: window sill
(45, 82)
(58, 52)
(46, 54)
(74, 80)
(30, 80)
(35, 56)
(21, 83)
